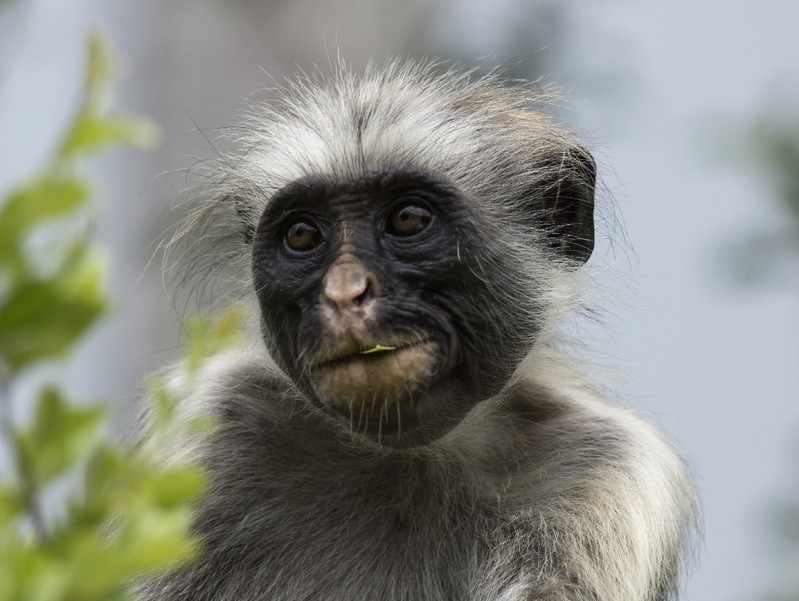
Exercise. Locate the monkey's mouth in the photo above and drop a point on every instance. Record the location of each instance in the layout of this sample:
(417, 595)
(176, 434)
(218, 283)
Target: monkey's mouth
(374, 378)
(370, 353)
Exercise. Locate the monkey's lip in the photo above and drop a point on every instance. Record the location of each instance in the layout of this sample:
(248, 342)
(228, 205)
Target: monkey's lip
(359, 386)
(362, 354)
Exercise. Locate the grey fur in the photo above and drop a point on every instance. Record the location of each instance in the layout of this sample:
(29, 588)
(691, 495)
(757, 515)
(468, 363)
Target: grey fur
(544, 492)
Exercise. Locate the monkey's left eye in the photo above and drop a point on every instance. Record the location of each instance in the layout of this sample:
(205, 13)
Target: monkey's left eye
(409, 218)
(301, 235)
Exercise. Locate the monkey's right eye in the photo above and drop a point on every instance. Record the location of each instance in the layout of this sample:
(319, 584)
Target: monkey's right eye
(301, 235)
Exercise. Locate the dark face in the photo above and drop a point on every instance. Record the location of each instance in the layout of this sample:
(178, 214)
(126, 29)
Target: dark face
(376, 301)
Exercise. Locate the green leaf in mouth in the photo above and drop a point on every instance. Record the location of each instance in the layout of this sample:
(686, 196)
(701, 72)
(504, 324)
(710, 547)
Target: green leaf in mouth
(378, 348)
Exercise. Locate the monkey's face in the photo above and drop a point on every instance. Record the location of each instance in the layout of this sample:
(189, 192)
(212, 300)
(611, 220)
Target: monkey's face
(376, 301)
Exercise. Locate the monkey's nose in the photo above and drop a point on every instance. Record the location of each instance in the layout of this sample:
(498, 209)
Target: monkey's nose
(350, 286)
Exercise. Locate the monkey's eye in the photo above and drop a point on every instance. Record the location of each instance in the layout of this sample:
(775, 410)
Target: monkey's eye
(301, 235)
(409, 218)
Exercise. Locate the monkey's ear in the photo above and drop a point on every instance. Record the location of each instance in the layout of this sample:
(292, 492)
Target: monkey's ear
(567, 210)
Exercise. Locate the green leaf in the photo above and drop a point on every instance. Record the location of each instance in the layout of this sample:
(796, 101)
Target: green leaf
(60, 437)
(100, 66)
(207, 337)
(43, 199)
(42, 319)
(92, 129)
(10, 506)
(162, 403)
(174, 486)
(91, 132)
(378, 348)
(134, 521)
(156, 538)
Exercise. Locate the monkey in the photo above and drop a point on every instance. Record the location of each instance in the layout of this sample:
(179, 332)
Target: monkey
(408, 425)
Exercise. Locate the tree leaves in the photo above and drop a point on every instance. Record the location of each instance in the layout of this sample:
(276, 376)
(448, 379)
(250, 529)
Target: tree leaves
(59, 437)
(42, 318)
(92, 132)
(42, 199)
(126, 513)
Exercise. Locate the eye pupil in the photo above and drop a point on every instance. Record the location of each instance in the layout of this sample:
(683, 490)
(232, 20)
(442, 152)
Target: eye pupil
(409, 219)
(302, 236)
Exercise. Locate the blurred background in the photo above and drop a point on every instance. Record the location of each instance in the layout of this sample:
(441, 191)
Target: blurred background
(692, 109)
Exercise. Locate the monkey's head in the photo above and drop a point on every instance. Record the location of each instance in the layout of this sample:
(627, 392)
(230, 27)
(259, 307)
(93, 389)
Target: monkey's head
(413, 237)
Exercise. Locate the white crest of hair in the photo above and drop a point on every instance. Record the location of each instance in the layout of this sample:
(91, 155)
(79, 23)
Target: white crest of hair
(342, 126)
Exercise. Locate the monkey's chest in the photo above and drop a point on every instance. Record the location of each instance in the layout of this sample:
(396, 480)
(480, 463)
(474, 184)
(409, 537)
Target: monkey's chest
(376, 532)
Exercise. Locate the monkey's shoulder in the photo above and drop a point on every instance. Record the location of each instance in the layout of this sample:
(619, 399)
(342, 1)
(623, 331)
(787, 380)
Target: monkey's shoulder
(299, 510)
(546, 441)
(236, 386)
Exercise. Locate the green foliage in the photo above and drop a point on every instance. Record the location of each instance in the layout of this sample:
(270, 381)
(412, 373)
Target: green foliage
(378, 348)
(128, 512)
(208, 338)
(59, 436)
(775, 150)
(770, 148)
(42, 315)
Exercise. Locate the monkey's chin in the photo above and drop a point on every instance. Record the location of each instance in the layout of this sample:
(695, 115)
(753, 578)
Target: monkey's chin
(374, 392)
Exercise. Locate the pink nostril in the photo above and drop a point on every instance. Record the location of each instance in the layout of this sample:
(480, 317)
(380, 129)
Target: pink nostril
(364, 296)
